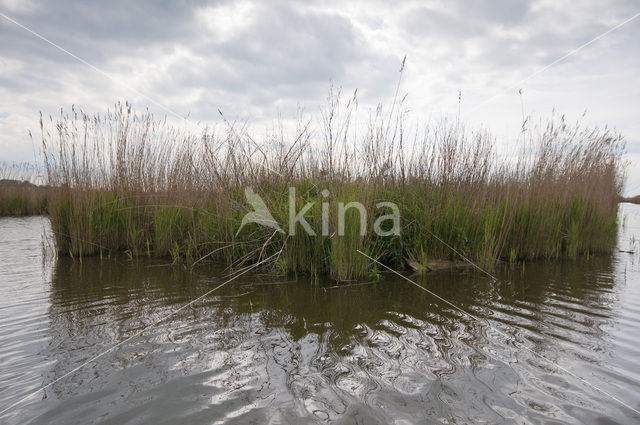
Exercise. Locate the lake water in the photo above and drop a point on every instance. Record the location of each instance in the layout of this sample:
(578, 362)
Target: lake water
(266, 349)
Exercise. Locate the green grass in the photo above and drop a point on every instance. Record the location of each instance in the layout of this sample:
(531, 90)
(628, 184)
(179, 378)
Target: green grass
(483, 231)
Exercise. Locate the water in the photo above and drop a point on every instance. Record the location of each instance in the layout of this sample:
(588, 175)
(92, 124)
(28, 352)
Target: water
(265, 349)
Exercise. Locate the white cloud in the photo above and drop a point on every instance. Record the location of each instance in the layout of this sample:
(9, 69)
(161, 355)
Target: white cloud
(226, 19)
(17, 5)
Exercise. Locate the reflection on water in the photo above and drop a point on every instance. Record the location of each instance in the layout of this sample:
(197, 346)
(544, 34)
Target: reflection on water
(276, 350)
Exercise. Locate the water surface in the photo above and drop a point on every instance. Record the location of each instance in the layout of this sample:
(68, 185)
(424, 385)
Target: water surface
(267, 349)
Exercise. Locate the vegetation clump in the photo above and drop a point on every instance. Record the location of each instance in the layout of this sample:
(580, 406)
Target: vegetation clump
(129, 182)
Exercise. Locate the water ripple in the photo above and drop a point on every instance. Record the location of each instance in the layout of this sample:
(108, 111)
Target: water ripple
(301, 353)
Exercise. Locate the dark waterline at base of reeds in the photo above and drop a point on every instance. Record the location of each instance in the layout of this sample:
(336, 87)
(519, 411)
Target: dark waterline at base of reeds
(124, 182)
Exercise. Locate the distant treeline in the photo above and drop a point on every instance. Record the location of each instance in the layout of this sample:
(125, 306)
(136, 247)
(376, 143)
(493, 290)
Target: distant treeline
(22, 198)
(633, 199)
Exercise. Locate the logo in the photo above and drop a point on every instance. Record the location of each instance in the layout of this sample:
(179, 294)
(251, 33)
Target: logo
(262, 216)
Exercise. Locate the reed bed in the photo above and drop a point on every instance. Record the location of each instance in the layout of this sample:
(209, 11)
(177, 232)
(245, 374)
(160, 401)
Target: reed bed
(125, 181)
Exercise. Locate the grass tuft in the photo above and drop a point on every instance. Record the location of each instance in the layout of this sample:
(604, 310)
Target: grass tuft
(128, 182)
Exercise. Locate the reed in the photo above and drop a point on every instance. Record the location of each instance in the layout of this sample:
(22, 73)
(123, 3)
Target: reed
(18, 195)
(124, 181)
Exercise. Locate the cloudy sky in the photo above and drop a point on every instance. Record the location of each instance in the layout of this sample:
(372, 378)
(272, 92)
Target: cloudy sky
(255, 60)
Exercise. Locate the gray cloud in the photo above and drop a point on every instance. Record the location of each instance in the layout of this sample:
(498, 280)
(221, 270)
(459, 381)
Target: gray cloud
(97, 30)
(283, 49)
(254, 59)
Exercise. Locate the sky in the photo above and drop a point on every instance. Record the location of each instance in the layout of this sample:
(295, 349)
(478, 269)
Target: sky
(256, 61)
